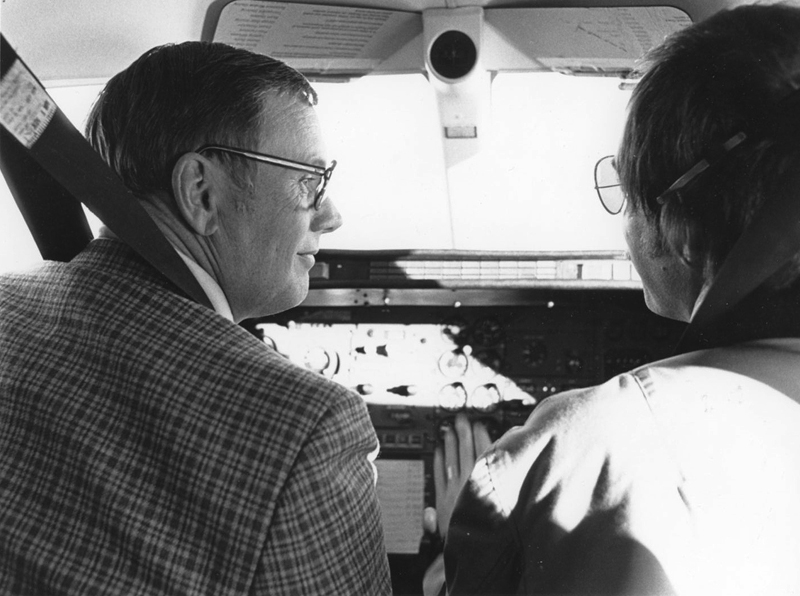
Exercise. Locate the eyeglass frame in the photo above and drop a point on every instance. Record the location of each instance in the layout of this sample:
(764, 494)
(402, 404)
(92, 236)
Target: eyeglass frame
(683, 181)
(324, 173)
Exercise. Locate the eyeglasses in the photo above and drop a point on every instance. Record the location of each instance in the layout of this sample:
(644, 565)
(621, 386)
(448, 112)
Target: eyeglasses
(606, 179)
(606, 183)
(323, 173)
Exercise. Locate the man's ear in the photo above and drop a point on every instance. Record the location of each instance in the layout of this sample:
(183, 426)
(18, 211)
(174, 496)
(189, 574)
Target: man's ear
(682, 238)
(195, 192)
(691, 253)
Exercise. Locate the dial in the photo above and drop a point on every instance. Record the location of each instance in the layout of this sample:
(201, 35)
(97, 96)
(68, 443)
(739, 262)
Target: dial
(534, 353)
(453, 397)
(321, 361)
(485, 397)
(487, 332)
(454, 364)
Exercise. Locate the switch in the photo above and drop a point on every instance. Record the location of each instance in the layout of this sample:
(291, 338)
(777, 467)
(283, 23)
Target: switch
(365, 389)
(403, 390)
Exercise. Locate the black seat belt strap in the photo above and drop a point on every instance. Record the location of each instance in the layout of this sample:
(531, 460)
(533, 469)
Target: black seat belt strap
(772, 238)
(41, 130)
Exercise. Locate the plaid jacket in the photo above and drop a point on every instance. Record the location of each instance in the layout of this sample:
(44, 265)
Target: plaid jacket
(149, 446)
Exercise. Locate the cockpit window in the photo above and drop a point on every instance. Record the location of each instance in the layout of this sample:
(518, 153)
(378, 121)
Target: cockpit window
(390, 183)
(547, 132)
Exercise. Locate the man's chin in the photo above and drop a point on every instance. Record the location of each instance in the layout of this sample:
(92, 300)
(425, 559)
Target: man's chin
(661, 309)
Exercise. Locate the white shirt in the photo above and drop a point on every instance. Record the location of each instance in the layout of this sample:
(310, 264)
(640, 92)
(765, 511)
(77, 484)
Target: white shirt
(210, 286)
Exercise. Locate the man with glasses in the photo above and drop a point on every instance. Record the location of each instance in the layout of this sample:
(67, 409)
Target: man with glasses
(681, 476)
(148, 444)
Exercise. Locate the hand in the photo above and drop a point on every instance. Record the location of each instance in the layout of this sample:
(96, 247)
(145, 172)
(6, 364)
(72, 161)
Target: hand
(452, 465)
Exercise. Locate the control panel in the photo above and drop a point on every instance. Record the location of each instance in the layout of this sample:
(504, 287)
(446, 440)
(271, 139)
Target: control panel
(417, 364)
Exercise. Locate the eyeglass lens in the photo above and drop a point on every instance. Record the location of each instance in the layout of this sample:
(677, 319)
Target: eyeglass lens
(607, 184)
(319, 197)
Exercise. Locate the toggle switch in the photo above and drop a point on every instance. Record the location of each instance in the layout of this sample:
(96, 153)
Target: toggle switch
(403, 390)
(365, 389)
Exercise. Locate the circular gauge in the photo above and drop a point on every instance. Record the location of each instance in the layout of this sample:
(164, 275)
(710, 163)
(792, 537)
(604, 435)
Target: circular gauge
(534, 353)
(320, 360)
(454, 364)
(487, 332)
(485, 398)
(453, 397)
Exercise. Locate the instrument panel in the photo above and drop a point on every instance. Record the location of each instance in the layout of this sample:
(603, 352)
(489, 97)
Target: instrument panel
(417, 365)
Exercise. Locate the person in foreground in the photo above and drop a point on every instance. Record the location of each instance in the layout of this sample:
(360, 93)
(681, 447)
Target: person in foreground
(681, 476)
(148, 444)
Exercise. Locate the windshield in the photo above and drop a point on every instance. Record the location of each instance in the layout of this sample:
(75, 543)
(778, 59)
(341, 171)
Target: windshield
(548, 131)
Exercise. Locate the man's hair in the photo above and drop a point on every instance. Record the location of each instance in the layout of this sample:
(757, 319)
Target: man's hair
(176, 98)
(717, 78)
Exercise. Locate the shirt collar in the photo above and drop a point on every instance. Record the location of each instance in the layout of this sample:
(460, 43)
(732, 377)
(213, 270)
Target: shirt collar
(209, 285)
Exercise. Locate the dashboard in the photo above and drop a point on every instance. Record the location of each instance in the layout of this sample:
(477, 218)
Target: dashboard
(419, 349)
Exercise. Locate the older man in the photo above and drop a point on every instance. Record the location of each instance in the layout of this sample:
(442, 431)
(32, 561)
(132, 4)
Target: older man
(682, 476)
(149, 445)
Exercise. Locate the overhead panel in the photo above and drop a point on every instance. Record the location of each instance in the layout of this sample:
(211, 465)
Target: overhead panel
(323, 39)
(348, 41)
(577, 40)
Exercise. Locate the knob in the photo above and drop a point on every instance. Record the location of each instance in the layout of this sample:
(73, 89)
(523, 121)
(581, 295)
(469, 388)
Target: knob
(403, 390)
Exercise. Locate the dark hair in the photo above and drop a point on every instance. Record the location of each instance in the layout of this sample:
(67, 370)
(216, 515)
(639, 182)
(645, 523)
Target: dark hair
(175, 98)
(719, 77)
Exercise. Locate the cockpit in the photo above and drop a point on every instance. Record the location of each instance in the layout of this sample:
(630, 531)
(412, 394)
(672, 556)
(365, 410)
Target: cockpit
(476, 271)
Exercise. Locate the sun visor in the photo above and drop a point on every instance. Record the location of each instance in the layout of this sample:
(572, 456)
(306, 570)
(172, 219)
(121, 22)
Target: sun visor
(341, 42)
(592, 41)
(324, 40)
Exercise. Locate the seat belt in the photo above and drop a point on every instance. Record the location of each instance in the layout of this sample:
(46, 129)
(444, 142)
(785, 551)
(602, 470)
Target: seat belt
(50, 167)
(770, 241)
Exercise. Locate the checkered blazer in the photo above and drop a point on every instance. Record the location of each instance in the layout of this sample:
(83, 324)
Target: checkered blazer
(149, 446)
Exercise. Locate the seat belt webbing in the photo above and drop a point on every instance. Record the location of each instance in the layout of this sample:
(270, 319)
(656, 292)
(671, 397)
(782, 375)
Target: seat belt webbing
(772, 238)
(34, 125)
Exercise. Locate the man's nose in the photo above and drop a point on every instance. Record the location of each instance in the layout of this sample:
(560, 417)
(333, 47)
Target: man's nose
(328, 218)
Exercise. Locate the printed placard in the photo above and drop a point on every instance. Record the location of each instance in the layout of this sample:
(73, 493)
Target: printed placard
(25, 107)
